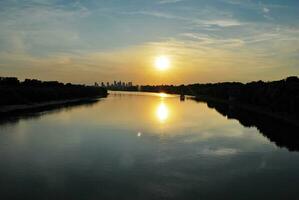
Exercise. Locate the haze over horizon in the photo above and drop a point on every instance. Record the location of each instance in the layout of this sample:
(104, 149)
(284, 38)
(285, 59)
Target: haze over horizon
(205, 41)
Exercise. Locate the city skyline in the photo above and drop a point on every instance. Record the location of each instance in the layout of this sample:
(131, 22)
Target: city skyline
(114, 83)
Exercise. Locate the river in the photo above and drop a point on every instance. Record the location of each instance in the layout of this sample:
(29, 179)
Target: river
(142, 146)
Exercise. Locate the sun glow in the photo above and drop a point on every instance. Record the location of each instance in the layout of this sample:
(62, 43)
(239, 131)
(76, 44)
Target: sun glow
(162, 63)
(162, 95)
(162, 112)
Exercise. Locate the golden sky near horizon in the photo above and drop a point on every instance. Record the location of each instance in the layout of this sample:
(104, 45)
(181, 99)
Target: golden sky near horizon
(203, 41)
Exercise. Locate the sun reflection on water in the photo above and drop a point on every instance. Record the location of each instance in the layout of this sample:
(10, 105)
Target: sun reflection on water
(162, 95)
(162, 112)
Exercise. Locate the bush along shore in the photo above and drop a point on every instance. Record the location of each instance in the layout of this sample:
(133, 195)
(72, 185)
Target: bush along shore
(276, 97)
(32, 93)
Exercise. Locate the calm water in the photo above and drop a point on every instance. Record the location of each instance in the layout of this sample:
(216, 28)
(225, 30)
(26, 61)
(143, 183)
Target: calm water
(142, 146)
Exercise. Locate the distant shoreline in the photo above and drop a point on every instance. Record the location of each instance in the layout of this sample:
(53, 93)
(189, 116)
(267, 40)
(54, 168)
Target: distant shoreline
(279, 97)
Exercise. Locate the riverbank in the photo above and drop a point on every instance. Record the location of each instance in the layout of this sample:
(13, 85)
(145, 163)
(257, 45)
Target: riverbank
(33, 94)
(277, 128)
(278, 97)
(37, 106)
(247, 107)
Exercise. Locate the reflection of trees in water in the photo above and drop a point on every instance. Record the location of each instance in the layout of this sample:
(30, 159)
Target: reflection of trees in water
(15, 117)
(282, 133)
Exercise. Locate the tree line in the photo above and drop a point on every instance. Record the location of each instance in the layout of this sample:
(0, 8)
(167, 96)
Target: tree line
(276, 96)
(29, 91)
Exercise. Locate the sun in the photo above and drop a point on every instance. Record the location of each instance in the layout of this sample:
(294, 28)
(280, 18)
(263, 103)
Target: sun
(162, 63)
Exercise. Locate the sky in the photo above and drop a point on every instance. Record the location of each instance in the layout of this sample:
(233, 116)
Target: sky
(87, 41)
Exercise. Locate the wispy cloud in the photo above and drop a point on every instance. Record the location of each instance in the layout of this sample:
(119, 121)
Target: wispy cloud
(266, 10)
(155, 14)
(168, 1)
(207, 40)
(221, 21)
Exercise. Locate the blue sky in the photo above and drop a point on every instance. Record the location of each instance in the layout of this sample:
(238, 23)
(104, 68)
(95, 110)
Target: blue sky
(102, 40)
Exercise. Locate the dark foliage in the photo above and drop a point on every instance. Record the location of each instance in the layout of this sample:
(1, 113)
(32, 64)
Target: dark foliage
(280, 97)
(127, 88)
(9, 81)
(12, 91)
(283, 133)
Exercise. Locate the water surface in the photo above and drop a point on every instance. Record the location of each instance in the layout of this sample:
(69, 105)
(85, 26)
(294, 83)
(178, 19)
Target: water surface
(142, 146)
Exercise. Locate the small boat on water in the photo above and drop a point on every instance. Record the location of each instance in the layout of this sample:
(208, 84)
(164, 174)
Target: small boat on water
(182, 97)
